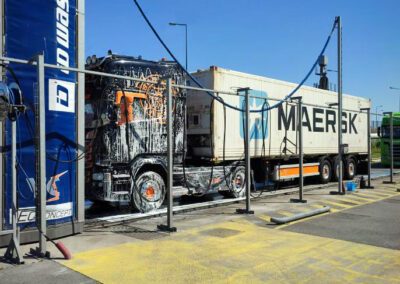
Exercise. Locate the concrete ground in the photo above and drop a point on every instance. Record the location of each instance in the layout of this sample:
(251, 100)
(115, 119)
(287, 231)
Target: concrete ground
(358, 241)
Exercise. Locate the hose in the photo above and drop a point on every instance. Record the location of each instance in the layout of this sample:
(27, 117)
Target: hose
(218, 98)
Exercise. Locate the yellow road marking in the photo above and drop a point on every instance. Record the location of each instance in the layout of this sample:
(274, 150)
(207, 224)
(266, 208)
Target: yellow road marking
(347, 207)
(253, 255)
(285, 213)
(373, 194)
(336, 204)
(386, 191)
(265, 217)
(361, 198)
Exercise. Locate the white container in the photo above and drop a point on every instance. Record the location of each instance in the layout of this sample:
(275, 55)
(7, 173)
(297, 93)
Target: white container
(320, 127)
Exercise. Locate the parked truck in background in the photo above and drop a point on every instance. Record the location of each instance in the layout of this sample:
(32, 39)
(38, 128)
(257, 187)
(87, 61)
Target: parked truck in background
(384, 134)
(126, 133)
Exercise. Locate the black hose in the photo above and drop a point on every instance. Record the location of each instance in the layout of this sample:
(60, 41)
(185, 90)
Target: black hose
(216, 97)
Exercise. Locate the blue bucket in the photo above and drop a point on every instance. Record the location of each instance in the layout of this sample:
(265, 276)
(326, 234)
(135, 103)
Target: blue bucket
(351, 186)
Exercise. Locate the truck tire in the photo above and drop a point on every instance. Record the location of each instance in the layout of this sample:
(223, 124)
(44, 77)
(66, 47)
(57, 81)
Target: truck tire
(148, 191)
(350, 168)
(325, 171)
(237, 184)
(335, 169)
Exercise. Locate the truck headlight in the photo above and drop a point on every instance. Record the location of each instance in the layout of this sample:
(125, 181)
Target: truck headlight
(98, 176)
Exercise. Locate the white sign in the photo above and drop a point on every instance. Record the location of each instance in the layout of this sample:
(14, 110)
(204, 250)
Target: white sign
(53, 212)
(61, 95)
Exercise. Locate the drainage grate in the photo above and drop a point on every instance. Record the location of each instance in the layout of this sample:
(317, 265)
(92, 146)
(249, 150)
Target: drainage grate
(133, 232)
(220, 232)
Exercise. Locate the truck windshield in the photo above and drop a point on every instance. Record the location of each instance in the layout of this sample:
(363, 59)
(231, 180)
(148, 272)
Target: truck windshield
(386, 132)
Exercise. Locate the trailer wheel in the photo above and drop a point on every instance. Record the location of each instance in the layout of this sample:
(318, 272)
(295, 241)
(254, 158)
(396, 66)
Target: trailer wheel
(350, 168)
(325, 171)
(148, 191)
(237, 184)
(335, 169)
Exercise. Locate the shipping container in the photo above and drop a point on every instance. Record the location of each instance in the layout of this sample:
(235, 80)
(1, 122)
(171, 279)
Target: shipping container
(273, 133)
(216, 132)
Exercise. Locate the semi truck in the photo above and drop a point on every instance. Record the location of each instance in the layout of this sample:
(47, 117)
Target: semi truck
(384, 134)
(126, 143)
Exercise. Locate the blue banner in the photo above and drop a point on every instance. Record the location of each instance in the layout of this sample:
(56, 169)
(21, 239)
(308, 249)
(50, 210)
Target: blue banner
(49, 27)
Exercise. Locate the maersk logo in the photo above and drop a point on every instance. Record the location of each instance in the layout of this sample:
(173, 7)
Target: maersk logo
(61, 96)
(258, 121)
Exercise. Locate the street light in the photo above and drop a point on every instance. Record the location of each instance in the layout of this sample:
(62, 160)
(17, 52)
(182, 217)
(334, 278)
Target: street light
(186, 40)
(395, 88)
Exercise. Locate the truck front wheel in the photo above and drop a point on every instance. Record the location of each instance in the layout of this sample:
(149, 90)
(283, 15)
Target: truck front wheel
(237, 184)
(148, 191)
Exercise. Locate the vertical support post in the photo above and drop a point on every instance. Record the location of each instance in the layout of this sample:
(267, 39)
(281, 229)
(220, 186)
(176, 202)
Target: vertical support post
(247, 155)
(80, 112)
(369, 147)
(340, 108)
(390, 147)
(13, 252)
(170, 161)
(340, 104)
(300, 150)
(2, 134)
(40, 183)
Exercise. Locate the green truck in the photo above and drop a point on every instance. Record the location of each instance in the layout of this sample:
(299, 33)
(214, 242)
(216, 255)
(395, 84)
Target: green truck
(384, 134)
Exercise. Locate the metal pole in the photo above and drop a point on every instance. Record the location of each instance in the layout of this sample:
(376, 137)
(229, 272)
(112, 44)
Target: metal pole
(13, 252)
(301, 154)
(80, 111)
(369, 144)
(186, 30)
(390, 147)
(340, 105)
(41, 157)
(340, 108)
(247, 155)
(170, 161)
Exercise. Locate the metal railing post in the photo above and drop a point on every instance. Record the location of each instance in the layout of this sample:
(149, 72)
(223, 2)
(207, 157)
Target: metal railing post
(340, 108)
(170, 161)
(247, 155)
(390, 147)
(368, 110)
(300, 151)
(13, 252)
(40, 145)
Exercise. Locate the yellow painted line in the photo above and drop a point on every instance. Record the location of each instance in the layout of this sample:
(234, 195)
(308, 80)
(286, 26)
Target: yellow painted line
(368, 194)
(264, 217)
(252, 255)
(347, 207)
(361, 198)
(336, 204)
(345, 199)
(388, 190)
(285, 213)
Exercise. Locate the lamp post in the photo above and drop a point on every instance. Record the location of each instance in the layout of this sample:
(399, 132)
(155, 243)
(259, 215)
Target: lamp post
(395, 88)
(186, 40)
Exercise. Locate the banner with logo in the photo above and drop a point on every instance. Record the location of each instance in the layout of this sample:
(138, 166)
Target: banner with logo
(48, 27)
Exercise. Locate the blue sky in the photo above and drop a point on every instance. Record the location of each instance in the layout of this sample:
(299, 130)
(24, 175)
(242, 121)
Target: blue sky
(277, 39)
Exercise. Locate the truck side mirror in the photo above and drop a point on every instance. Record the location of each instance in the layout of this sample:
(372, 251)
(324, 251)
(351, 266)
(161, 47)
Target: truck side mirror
(379, 131)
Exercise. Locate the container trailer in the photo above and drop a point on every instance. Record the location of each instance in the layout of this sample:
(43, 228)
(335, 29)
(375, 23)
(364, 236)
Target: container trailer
(273, 136)
(126, 141)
